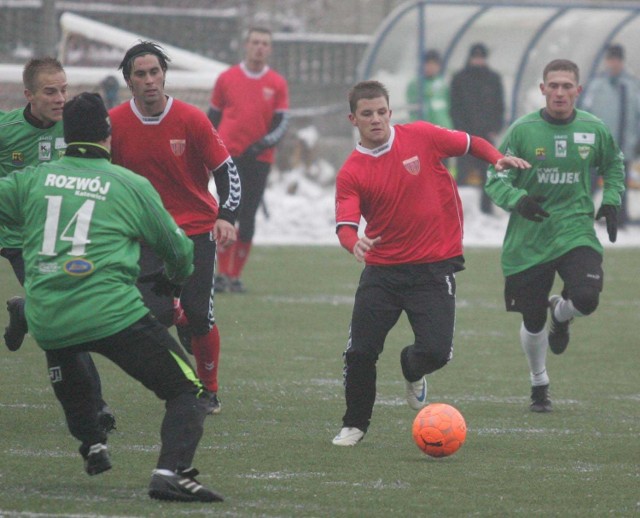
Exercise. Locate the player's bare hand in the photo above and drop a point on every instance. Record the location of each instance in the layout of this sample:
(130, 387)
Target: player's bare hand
(363, 245)
(511, 162)
(224, 233)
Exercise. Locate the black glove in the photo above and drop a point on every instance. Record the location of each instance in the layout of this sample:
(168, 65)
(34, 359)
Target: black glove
(610, 214)
(162, 286)
(253, 150)
(529, 207)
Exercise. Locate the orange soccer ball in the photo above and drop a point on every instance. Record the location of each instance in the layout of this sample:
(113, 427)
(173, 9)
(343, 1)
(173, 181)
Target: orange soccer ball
(439, 430)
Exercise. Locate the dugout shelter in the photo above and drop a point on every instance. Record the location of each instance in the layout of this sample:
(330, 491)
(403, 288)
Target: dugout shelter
(522, 37)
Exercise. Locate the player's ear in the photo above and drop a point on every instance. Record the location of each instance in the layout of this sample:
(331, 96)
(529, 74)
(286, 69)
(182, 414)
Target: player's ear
(542, 88)
(352, 119)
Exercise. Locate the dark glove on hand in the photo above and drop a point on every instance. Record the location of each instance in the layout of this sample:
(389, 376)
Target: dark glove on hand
(529, 207)
(253, 150)
(610, 214)
(162, 286)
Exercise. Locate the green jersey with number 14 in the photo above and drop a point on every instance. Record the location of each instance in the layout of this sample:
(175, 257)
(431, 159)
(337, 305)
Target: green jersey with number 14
(562, 158)
(82, 221)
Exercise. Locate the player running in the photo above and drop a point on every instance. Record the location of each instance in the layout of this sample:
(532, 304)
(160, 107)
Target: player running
(411, 247)
(552, 214)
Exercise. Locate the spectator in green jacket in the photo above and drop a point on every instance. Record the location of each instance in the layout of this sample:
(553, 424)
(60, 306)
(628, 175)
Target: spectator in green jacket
(433, 104)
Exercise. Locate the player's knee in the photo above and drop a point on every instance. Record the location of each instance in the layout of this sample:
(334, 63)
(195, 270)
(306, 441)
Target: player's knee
(200, 327)
(428, 360)
(164, 317)
(355, 359)
(534, 321)
(246, 232)
(585, 299)
(440, 359)
(200, 320)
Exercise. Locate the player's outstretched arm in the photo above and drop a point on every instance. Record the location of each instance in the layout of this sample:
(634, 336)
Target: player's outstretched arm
(484, 150)
(511, 162)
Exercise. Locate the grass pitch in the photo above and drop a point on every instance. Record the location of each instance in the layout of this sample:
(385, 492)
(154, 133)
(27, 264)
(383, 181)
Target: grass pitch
(270, 453)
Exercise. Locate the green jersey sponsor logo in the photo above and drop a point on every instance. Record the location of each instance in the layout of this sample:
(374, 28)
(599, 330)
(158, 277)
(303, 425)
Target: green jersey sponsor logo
(561, 148)
(45, 268)
(584, 151)
(584, 138)
(17, 158)
(78, 267)
(44, 150)
(553, 175)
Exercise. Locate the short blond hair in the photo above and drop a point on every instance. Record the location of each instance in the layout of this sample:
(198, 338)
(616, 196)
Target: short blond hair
(37, 66)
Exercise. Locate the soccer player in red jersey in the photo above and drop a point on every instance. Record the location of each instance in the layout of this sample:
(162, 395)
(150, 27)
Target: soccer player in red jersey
(174, 145)
(411, 246)
(249, 107)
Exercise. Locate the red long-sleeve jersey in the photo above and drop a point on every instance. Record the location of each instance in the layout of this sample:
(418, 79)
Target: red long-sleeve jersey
(405, 194)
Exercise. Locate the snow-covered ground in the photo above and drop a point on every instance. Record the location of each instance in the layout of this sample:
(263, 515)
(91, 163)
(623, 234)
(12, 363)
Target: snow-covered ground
(307, 216)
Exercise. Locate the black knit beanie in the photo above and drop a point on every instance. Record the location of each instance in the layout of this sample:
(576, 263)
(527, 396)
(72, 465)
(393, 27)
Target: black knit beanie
(86, 119)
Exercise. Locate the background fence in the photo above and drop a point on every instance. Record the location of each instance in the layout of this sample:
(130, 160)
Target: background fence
(319, 66)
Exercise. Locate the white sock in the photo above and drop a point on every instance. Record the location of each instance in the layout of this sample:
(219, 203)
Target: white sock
(535, 349)
(163, 472)
(565, 311)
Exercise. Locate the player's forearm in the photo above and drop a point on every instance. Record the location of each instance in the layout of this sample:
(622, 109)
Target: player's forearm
(171, 245)
(500, 189)
(348, 236)
(215, 116)
(613, 183)
(484, 150)
(279, 125)
(229, 190)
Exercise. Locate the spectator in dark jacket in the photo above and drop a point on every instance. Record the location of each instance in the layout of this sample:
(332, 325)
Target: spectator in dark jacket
(477, 107)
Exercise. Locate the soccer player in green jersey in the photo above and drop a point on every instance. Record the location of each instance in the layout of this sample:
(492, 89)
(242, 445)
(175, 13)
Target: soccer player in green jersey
(82, 221)
(551, 227)
(30, 136)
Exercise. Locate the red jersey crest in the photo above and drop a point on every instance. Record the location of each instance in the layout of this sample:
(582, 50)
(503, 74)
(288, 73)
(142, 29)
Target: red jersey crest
(412, 165)
(268, 93)
(178, 146)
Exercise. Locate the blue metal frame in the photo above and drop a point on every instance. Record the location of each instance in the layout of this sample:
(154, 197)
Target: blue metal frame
(525, 58)
(562, 8)
(458, 35)
(609, 39)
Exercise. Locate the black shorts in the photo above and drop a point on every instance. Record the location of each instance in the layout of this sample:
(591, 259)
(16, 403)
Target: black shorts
(530, 288)
(197, 297)
(253, 177)
(426, 292)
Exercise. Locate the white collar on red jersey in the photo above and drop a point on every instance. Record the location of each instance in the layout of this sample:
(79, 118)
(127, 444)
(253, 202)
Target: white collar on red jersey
(380, 150)
(253, 75)
(154, 120)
